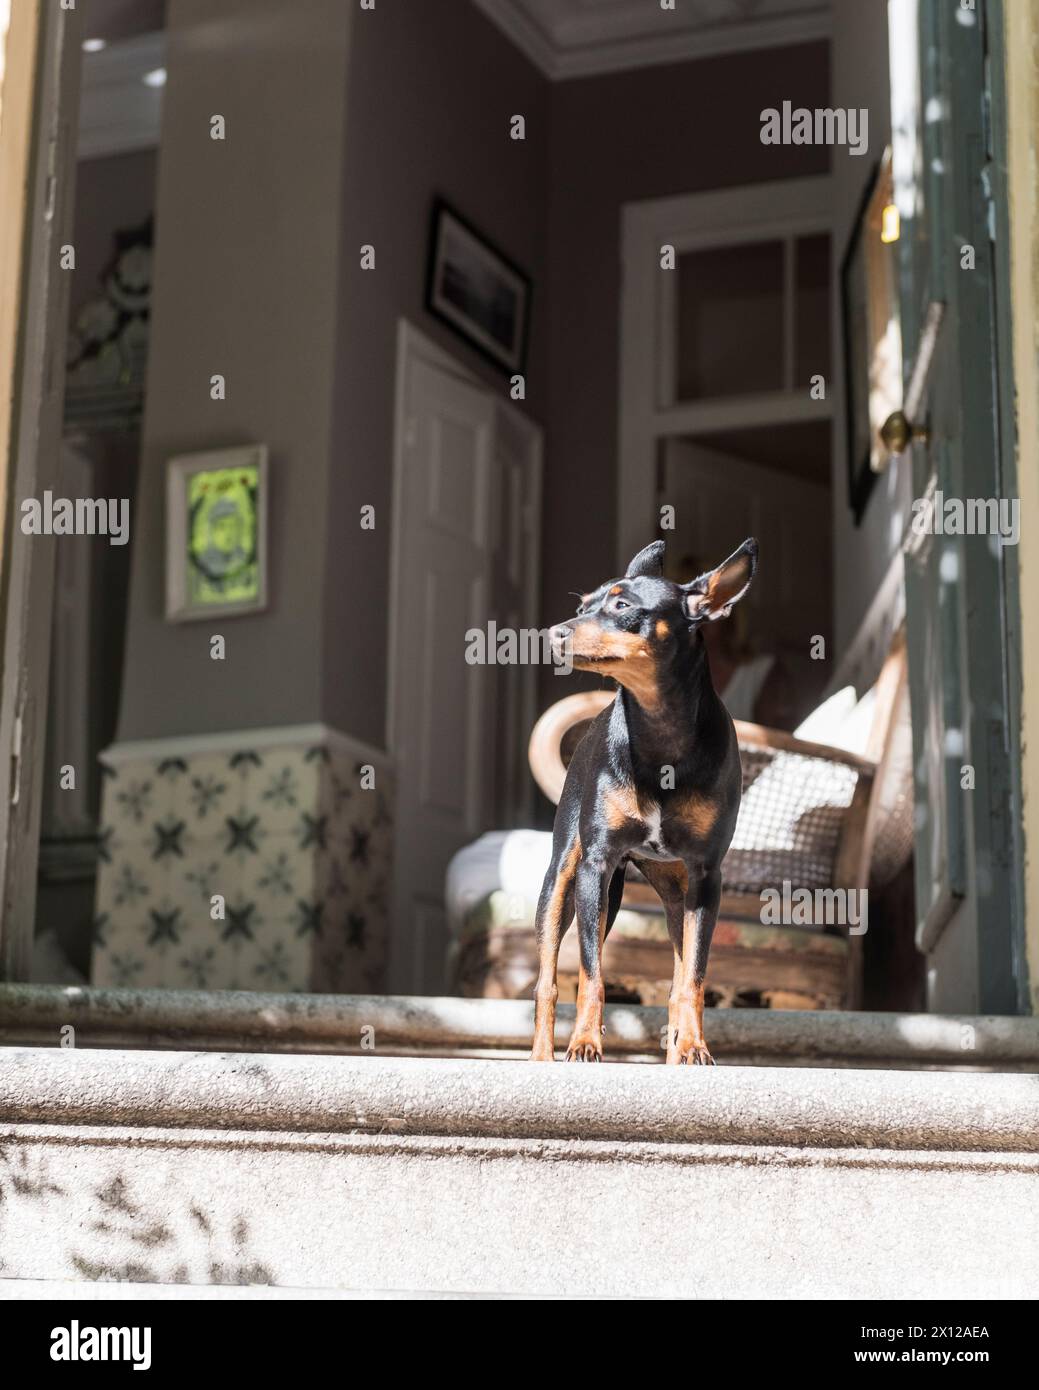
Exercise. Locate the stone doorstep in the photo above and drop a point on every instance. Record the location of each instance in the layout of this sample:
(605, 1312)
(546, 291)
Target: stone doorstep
(372, 1175)
(472, 1100)
(36, 1290)
(378, 1214)
(35, 1015)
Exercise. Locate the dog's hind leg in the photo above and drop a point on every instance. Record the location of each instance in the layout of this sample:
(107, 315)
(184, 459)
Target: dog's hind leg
(554, 915)
(671, 881)
(592, 900)
(701, 913)
(613, 902)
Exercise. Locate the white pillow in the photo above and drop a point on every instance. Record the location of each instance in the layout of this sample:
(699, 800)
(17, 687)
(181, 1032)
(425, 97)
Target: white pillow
(855, 733)
(841, 721)
(824, 723)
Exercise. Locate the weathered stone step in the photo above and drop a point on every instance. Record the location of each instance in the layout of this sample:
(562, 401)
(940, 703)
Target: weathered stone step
(36, 1014)
(465, 1176)
(472, 1099)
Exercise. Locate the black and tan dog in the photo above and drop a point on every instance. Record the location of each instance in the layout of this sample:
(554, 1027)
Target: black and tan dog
(656, 780)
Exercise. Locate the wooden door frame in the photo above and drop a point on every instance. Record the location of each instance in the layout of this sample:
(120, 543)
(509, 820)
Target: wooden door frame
(37, 157)
(1013, 33)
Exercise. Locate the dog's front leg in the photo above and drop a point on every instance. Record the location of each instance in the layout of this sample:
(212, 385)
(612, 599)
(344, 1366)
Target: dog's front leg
(591, 881)
(686, 1042)
(555, 911)
(672, 883)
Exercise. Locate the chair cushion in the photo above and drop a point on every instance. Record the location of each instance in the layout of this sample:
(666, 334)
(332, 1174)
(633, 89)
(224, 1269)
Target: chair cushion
(494, 955)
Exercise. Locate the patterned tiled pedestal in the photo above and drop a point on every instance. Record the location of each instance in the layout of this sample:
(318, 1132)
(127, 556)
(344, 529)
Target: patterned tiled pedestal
(277, 823)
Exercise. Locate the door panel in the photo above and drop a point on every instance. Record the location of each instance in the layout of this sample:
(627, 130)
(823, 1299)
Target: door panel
(466, 504)
(458, 478)
(968, 906)
(443, 717)
(720, 499)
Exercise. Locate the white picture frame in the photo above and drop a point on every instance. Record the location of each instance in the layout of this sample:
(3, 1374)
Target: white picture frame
(192, 590)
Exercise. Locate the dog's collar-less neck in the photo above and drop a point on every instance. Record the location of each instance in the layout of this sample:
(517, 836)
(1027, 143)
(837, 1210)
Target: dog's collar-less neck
(669, 728)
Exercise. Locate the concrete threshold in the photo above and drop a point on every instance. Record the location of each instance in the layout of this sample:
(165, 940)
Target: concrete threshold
(36, 1015)
(287, 1175)
(472, 1100)
(57, 1290)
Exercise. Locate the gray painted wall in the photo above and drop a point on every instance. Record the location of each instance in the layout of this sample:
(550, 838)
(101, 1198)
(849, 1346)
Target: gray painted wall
(248, 244)
(431, 92)
(258, 276)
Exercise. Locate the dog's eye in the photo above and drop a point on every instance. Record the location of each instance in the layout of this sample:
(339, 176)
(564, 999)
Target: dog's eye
(618, 604)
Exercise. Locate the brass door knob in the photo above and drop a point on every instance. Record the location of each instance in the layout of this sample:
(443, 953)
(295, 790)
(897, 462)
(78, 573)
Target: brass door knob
(897, 433)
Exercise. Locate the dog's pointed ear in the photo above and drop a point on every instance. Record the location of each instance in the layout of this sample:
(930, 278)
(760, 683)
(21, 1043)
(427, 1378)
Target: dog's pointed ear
(713, 594)
(649, 561)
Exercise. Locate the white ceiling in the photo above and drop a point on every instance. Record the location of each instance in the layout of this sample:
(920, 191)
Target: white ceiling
(575, 38)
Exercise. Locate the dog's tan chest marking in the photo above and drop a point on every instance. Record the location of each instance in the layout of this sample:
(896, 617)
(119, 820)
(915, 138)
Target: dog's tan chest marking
(694, 814)
(698, 812)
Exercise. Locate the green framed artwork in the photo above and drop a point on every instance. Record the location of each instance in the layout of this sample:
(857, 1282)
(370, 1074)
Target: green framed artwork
(216, 533)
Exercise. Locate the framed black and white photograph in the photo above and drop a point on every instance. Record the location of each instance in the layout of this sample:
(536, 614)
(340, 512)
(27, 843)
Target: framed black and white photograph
(872, 338)
(475, 288)
(216, 533)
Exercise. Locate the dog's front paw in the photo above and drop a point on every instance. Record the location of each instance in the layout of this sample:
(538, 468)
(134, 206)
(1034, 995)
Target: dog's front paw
(543, 1052)
(584, 1047)
(684, 1051)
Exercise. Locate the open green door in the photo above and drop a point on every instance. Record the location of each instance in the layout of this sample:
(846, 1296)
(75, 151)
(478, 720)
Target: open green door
(960, 580)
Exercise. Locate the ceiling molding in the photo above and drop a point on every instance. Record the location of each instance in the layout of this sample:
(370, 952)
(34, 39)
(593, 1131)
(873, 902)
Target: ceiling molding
(583, 38)
(118, 111)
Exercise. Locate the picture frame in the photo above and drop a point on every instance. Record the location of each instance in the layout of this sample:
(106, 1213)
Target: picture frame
(871, 334)
(473, 287)
(216, 533)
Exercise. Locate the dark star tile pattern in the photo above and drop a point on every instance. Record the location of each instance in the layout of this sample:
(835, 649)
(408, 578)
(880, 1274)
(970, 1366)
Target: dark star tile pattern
(260, 868)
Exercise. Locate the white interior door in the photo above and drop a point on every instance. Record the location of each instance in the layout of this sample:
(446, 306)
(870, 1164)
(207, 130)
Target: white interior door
(517, 466)
(442, 728)
(720, 499)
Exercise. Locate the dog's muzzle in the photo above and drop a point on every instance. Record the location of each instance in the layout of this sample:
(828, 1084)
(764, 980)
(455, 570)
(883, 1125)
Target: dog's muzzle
(561, 641)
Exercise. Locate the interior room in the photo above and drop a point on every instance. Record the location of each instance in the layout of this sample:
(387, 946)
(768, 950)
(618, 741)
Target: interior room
(702, 403)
